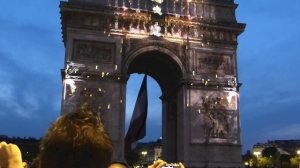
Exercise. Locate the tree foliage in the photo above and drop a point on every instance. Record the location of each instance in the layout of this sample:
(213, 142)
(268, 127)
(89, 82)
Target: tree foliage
(295, 161)
(264, 162)
(269, 152)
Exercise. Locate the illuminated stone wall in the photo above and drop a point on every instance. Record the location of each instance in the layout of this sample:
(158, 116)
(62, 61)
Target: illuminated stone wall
(220, 10)
(188, 47)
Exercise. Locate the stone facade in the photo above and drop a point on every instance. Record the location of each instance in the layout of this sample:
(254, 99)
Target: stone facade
(188, 47)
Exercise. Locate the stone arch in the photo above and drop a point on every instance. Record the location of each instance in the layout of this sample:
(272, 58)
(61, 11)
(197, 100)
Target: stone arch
(167, 69)
(151, 48)
(157, 53)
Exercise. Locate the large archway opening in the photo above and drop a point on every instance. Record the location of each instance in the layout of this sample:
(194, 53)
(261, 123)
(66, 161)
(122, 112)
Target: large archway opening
(167, 73)
(160, 67)
(154, 124)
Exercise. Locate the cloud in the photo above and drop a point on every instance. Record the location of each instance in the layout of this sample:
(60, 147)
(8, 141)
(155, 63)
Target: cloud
(32, 46)
(269, 71)
(26, 93)
(31, 11)
(24, 100)
(286, 132)
(32, 55)
(28, 102)
(6, 97)
(6, 91)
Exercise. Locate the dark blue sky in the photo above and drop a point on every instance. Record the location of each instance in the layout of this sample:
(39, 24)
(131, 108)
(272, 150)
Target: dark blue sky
(32, 54)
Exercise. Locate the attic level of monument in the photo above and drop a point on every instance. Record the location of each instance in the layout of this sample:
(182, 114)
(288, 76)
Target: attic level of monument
(177, 20)
(145, 4)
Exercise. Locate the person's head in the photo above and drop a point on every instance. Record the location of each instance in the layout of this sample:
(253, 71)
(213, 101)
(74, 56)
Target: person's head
(118, 165)
(76, 140)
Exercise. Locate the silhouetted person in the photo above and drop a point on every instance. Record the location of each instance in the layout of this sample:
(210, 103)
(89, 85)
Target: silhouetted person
(118, 165)
(76, 140)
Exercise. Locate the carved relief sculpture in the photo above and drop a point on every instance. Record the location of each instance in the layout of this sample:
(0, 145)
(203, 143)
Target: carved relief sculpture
(214, 116)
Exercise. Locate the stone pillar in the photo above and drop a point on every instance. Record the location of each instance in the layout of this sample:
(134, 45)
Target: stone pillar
(92, 75)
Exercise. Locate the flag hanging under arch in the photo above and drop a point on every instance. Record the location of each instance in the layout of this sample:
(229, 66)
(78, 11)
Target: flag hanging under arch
(137, 127)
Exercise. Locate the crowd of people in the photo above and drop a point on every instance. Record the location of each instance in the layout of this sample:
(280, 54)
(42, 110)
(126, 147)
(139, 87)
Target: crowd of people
(75, 140)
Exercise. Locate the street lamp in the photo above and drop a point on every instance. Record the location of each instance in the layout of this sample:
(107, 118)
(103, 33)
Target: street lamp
(144, 153)
(257, 153)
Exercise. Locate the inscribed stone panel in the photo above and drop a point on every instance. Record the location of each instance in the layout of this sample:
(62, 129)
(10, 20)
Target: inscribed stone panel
(214, 64)
(93, 52)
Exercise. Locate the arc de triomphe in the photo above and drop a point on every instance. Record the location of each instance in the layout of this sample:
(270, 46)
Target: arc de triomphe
(187, 46)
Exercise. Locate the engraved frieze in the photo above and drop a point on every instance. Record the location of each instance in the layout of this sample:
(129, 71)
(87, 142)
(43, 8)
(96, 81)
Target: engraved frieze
(88, 20)
(213, 64)
(93, 52)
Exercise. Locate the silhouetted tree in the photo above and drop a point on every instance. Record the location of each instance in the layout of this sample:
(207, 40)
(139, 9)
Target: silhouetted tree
(269, 152)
